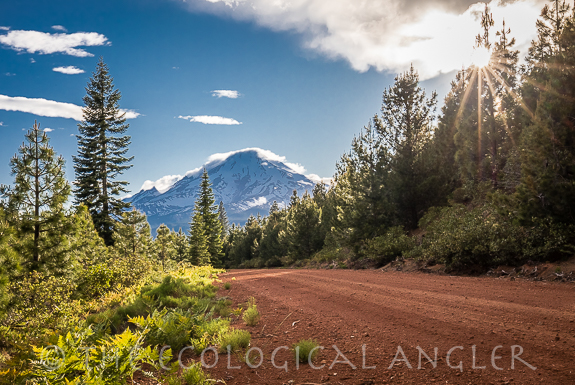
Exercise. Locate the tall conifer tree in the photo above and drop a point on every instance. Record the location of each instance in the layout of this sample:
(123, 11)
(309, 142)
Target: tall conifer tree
(36, 202)
(212, 228)
(102, 148)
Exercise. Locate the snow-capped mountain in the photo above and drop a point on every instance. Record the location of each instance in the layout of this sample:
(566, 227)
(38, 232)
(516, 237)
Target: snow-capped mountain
(247, 181)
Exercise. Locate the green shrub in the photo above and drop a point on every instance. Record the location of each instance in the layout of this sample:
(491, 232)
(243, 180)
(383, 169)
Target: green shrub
(236, 339)
(386, 248)
(251, 315)
(303, 349)
(227, 286)
(194, 375)
(482, 237)
(208, 333)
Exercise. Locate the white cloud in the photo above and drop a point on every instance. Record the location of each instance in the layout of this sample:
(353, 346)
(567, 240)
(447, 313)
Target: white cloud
(10, 74)
(316, 179)
(48, 129)
(50, 108)
(69, 70)
(206, 119)
(437, 36)
(59, 28)
(32, 60)
(41, 107)
(2, 28)
(226, 94)
(46, 43)
(1, 124)
(130, 114)
(163, 184)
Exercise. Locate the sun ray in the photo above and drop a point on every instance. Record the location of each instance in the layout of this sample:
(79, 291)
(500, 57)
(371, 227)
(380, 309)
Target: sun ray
(513, 94)
(494, 94)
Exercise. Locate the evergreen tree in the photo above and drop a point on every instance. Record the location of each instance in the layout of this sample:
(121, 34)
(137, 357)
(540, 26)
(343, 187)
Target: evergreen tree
(547, 186)
(223, 218)
(181, 246)
(102, 148)
(302, 235)
(362, 197)
(87, 245)
(199, 240)
(36, 203)
(9, 260)
(164, 244)
(271, 248)
(405, 127)
(133, 235)
(212, 227)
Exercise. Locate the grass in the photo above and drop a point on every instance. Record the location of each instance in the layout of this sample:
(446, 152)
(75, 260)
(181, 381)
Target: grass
(302, 350)
(227, 286)
(236, 339)
(251, 316)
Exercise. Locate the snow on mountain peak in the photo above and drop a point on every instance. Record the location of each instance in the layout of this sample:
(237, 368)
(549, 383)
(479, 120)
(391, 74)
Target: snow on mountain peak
(247, 181)
(166, 182)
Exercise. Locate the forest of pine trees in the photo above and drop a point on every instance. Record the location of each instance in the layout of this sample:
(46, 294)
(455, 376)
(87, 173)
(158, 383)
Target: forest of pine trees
(488, 180)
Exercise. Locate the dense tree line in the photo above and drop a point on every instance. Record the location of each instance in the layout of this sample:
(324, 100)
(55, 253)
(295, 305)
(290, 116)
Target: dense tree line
(488, 180)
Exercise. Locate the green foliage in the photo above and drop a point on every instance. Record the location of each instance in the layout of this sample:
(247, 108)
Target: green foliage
(235, 339)
(251, 315)
(35, 205)
(167, 327)
(405, 128)
(206, 229)
(302, 234)
(481, 238)
(209, 333)
(102, 148)
(133, 236)
(9, 261)
(79, 358)
(194, 375)
(164, 245)
(227, 286)
(303, 350)
(386, 248)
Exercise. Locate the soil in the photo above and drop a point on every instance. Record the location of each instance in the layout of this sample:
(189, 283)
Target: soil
(366, 318)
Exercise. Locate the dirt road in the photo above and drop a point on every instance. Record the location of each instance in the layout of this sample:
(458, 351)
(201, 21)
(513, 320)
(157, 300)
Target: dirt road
(521, 332)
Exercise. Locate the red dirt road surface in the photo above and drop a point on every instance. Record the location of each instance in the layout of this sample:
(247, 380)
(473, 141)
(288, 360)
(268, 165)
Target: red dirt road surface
(373, 319)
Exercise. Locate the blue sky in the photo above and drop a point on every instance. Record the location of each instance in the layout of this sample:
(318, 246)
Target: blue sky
(308, 74)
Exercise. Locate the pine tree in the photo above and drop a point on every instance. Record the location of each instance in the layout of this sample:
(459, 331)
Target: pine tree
(199, 240)
(405, 127)
(36, 203)
(362, 196)
(547, 186)
(181, 245)
(223, 218)
(164, 244)
(212, 228)
(9, 260)
(133, 235)
(302, 235)
(88, 246)
(102, 148)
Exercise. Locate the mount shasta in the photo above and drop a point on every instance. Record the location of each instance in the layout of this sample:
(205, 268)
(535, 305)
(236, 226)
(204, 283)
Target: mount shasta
(247, 181)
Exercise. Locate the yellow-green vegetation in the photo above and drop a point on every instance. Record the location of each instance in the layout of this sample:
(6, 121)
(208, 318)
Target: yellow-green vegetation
(194, 375)
(251, 315)
(128, 326)
(227, 286)
(305, 350)
(236, 339)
